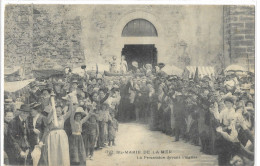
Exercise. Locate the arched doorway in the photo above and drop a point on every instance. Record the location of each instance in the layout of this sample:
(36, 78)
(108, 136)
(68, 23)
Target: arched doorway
(141, 53)
(120, 41)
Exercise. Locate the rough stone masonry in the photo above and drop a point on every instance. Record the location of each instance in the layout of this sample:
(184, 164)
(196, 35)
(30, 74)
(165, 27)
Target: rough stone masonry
(48, 36)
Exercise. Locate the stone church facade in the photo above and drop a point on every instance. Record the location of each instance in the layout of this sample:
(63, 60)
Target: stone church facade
(72, 35)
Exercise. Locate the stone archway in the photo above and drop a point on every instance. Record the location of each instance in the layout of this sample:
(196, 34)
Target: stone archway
(120, 41)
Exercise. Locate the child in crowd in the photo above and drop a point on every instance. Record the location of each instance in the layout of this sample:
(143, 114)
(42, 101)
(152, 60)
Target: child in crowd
(77, 148)
(112, 128)
(90, 134)
(105, 119)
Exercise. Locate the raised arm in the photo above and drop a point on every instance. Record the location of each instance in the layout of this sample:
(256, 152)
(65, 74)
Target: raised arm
(72, 114)
(105, 98)
(85, 118)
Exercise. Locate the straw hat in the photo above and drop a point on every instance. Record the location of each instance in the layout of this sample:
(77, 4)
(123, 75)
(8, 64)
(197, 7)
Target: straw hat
(81, 111)
(8, 101)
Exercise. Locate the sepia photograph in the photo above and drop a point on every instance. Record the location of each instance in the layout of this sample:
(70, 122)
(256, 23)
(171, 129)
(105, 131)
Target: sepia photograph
(128, 85)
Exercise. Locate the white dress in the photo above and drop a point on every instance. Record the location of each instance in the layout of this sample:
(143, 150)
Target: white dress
(57, 145)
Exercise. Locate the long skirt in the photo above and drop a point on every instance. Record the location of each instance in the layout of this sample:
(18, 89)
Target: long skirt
(77, 149)
(55, 152)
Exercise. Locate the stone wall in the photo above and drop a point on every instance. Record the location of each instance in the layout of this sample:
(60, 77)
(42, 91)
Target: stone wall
(42, 37)
(187, 35)
(70, 35)
(240, 35)
(18, 36)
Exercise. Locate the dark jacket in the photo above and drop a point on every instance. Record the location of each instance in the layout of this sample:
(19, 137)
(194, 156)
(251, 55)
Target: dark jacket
(17, 134)
(179, 111)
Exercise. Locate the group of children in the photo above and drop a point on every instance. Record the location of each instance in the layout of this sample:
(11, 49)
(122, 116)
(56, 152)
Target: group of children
(90, 130)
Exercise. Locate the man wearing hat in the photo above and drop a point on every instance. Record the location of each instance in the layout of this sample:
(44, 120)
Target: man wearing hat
(179, 107)
(35, 93)
(18, 137)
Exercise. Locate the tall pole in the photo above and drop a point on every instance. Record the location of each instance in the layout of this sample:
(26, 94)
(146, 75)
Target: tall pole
(55, 119)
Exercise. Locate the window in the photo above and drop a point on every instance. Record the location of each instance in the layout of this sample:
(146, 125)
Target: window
(139, 28)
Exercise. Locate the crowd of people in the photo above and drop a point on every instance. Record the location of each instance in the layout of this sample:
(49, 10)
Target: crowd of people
(69, 117)
(61, 120)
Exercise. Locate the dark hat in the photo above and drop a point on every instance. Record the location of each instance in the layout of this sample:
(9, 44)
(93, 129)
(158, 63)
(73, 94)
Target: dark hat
(36, 105)
(80, 86)
(25, 108)
(47, 88)
(250, 101)
(83, 67)
(161, 65)
(115, 89)
(33, 84)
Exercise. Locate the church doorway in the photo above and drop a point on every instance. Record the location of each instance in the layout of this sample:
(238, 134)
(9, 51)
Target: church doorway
(141, 53)
(139, 35)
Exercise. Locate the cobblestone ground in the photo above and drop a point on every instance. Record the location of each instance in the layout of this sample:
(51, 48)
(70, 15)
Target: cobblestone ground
(136, 145)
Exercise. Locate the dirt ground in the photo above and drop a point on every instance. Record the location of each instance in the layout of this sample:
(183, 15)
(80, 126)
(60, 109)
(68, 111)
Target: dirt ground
(136, 145)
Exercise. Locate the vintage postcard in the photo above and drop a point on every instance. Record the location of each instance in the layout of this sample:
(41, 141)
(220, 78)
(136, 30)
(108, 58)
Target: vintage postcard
(128, 85)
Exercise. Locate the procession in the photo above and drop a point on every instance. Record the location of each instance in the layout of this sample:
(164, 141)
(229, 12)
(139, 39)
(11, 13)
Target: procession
(145, 85)
(64, 119)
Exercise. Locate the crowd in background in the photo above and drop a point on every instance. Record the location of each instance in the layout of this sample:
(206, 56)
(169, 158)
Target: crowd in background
(77, 114)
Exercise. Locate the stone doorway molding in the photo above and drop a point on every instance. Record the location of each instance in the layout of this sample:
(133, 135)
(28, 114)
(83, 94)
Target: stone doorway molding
(120, 41)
